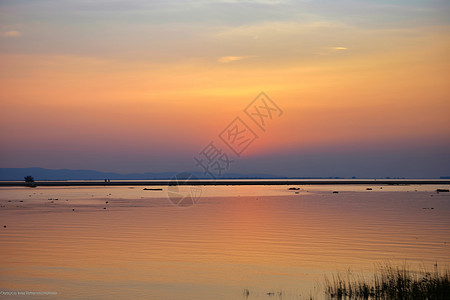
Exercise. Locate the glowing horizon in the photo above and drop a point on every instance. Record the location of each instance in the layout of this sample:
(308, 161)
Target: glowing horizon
(136, 86)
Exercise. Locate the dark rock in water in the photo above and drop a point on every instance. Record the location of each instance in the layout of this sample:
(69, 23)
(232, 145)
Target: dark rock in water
(369, 189)
(442, 190)
(4, 226)
(335, 192)
(106, 202)
(246, 293)
(73, 209)
(104, 207)
(293, 189)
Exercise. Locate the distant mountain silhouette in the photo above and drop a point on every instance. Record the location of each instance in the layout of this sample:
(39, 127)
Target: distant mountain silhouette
(66, 174)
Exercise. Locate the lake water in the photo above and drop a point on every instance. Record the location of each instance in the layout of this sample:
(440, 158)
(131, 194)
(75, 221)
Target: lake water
(266, 239)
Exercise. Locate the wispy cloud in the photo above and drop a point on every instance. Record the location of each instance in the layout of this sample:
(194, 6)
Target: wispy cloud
(11, 33)
(228, 59)
(276, 28)
(330, 50)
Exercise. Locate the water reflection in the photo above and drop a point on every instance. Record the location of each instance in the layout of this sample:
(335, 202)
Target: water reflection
(265, 239)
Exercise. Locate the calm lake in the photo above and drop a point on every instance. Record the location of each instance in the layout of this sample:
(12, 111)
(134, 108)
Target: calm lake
(130, 243)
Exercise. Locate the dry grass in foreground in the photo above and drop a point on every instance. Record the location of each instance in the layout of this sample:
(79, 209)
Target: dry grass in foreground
(391, 283)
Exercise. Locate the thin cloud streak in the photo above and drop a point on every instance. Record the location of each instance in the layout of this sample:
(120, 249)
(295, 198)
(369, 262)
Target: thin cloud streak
(228, 59)
(11, 33)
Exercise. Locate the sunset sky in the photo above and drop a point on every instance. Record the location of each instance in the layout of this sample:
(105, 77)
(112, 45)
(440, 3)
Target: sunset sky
(144, 86)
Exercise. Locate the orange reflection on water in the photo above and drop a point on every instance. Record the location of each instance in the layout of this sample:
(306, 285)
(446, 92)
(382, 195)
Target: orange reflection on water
(147, 248)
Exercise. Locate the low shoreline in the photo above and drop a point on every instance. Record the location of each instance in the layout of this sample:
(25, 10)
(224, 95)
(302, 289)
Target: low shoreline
(207, 182)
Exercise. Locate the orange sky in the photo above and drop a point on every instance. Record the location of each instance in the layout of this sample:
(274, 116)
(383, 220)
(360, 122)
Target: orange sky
(161, 89)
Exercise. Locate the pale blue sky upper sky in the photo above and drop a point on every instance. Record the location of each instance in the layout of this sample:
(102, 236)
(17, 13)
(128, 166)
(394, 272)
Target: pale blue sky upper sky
(112, 28)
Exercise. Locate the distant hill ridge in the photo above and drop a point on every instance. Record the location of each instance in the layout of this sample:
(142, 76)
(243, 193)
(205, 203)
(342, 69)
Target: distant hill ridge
(67, 174)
